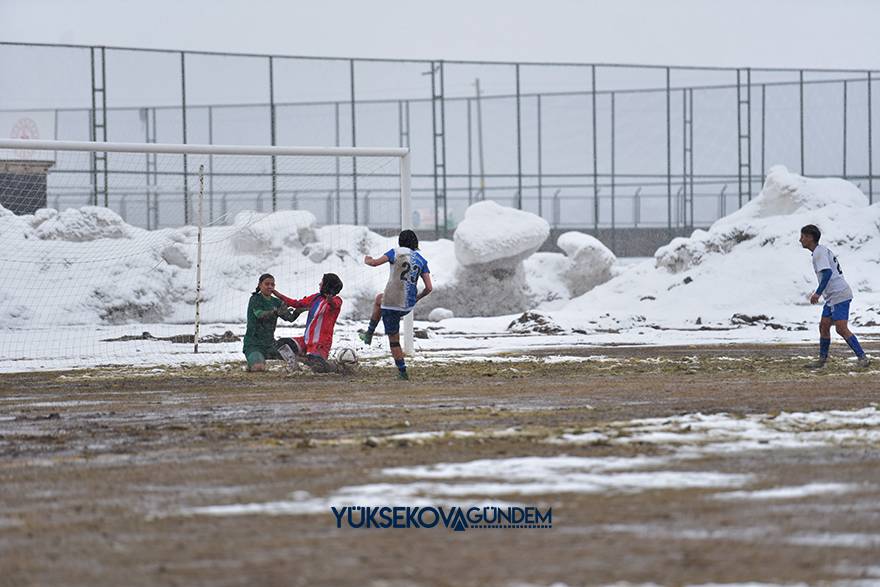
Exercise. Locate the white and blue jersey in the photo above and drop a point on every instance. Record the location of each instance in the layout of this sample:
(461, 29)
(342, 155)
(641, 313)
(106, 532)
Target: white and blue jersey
(838, 289)
(406, 267)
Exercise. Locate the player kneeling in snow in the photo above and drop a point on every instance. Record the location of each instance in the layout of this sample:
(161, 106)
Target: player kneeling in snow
(401, 295)
(262, 317)
(837, 294)
(314, 346)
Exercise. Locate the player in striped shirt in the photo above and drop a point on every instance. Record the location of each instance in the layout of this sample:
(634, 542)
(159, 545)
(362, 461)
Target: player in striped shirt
(406, 266)
(837, 293)
(323, 307)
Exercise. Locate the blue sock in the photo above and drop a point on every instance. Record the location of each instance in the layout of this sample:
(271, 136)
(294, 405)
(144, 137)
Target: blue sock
(372, 327)
(853, 343)
(401, 365)
(824, 345)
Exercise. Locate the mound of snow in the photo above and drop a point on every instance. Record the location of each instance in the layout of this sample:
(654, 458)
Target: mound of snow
(491, 233)
(489, 279)
(747, 263)
(438, 314)
(80, 224)
(590, 261)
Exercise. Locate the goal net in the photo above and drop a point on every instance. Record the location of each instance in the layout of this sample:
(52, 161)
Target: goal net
(102, 264)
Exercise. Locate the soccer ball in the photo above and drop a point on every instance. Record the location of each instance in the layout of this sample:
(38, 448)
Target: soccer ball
(346, 356)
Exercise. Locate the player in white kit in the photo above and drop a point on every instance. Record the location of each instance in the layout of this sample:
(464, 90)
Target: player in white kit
(837, 293)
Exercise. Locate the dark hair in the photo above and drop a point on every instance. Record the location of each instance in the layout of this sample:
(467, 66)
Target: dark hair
(408, 239)
(263, 277)
(331, 284)
(813, 231)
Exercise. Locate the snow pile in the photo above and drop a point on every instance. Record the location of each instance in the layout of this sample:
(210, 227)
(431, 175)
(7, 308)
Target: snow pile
(87, 266)
(493, 237)
(589, 261)
(77, 225)
(496, 269)
(747, 263)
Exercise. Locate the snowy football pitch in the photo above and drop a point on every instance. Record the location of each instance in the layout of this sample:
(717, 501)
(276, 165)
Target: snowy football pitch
(671, 466)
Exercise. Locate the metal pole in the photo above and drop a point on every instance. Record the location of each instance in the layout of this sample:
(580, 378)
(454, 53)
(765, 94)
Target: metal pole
(353, 142)
(613, 177)
(691, 165)
(684, 160)
(801, 90)
(104, 120)
(669, 150)
(199, 258)
(272, 133)
(870, 147)
(739, 151)
(211, 166)
(480, 141)
(183, 111)
(844, 129)
(595, 155)
(519, 194)
(470, 155)
(93, 131)
(443, 140)
(763, 128)
(540, 163)
(338, 186)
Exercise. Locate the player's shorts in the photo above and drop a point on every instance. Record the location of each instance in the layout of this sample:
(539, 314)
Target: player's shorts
(836, 312)
(391, 320)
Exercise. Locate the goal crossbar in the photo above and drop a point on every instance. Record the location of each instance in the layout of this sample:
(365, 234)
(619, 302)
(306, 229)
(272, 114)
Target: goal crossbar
(403, 154)
(27, 144)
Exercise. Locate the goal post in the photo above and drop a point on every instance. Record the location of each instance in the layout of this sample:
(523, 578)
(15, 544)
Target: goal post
(122, 250)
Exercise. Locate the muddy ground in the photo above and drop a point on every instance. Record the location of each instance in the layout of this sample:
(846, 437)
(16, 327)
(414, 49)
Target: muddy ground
(98, 469)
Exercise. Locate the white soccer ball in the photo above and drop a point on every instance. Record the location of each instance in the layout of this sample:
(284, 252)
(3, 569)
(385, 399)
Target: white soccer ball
(346, 356)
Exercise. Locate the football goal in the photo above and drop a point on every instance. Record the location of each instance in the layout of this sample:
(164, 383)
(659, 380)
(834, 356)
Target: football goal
(147, 254)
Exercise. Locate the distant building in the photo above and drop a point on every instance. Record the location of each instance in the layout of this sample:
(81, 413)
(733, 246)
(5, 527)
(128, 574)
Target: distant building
(23, 184)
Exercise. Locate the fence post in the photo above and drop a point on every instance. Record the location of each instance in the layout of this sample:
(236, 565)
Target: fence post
(519, 202)
(801, 90)
(186, 202)
(272, 132)
(669, 151)
(595, 157)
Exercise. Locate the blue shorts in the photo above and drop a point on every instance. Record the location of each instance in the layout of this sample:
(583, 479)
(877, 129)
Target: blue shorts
(837, 311)
(391, 320)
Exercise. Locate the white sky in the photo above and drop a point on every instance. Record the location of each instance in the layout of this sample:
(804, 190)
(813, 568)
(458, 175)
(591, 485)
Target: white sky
(771, 33)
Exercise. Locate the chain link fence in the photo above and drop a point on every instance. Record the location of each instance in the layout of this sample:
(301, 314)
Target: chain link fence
(593, 147)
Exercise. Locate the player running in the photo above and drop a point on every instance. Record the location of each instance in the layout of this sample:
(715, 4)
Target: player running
(401, 292)
(314, 345)
(837, 294)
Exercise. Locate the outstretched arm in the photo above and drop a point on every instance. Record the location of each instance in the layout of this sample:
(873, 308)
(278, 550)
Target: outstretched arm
(375, 262)
(303, 303)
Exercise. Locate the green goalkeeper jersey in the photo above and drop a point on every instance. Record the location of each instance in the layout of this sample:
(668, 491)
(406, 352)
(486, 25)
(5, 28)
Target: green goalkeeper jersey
(260, 333)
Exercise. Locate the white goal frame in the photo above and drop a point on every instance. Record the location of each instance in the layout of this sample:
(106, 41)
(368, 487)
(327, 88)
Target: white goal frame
(400, 153)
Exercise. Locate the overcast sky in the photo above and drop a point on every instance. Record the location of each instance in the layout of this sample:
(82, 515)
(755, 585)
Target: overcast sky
(780, 33)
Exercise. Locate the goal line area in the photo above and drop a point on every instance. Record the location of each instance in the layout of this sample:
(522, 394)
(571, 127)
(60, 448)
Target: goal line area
(125, 253)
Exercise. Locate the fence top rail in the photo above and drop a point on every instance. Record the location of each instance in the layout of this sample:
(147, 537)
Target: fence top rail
(31, 145)
(433, 61)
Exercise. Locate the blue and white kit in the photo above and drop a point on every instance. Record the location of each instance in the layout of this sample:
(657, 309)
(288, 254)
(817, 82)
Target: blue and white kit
(406, 266)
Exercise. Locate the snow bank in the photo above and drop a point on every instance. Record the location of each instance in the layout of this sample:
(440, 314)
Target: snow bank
(590, 261)
(749, 262)
(492, 236)
(489, 278)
